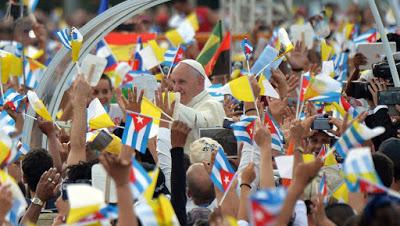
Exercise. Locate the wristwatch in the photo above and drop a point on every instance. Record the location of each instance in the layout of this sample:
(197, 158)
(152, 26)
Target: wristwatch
(37, 201)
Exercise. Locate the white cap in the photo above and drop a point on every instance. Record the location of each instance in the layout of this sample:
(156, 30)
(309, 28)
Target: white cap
(199, 68)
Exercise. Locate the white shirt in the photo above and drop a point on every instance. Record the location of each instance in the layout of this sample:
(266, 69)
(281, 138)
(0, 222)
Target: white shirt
(202, 111)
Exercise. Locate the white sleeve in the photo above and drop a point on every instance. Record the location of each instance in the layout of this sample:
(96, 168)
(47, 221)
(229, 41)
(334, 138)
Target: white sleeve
(164, 154)
(300, 210)
(210, 114)
(250, 153)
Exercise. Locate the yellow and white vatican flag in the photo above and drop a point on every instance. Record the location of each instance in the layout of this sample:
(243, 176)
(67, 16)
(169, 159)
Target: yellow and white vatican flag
(84, 200)
(38, 106)
(97, 116)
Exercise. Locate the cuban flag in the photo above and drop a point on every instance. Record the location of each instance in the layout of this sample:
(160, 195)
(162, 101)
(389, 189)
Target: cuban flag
(276, 133)
(137, 64)
(323, 187)
(323, 151)
(341, 66)
(139, 178)
(244, 129)
(369, 36)
(137, 131)
(65, 37)
(173, 56)
(104, 51)
(266, 205)
(13, 99)
(247, 48)
(305, 80)
(222, 172)
(353, 113)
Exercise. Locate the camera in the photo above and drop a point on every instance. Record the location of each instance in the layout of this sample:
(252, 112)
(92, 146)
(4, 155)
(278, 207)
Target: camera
(321, 123)
(359, 89)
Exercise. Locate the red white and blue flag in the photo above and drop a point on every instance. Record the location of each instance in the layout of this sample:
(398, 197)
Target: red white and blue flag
(369, 36)
(137, 64)
(323, 187)
(306, 77)
(103, 50)
(247, 48)
(12, 98)
(139, 179)
(276, 133)
(244, 129)
(266, 205)
(137, 131)
(323, 151)
(353, 113)
(222, 172)
(173, 56)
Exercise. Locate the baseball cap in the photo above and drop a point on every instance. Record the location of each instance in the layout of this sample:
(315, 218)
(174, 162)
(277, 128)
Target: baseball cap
(201, 149)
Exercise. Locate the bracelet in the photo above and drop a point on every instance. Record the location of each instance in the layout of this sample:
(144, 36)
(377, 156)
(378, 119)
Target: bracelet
(251, 109)
(244, 184)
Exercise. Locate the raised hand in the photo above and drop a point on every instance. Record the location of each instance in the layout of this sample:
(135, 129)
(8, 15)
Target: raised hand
(262, 135)
(248, 174)
(298, 58)
(48, 182)
(117, 168)
(179, 133)
(163, 103)
(134, 101)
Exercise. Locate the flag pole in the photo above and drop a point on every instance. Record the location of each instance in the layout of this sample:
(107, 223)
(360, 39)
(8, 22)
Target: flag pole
(163, 120)
(1, 78)
(170, 68)
(162, 71)
(298, 97)
(388, 51)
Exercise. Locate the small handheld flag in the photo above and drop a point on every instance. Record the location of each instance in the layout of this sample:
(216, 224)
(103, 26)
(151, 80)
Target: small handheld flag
(12, 98)
(247, 49)
(354, 136)
(139, 179)
(71, 39)
(276, 133)
(244, 129)
(38, 106)
(222, 171)
(359, 165)
(266, 205)
(137, 131)
(97, 116)
(323, 187)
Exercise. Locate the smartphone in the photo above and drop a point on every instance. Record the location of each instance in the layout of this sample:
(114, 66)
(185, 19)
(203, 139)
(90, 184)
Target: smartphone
(359, 90)
(101, 141)
(227, 123)
(321, 123)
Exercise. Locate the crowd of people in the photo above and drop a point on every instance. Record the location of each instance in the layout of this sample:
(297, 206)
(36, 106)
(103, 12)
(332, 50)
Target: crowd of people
(294, 141)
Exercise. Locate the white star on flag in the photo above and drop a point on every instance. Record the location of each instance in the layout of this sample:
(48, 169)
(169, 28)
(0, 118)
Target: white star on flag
(139, 119)
(226, 180)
